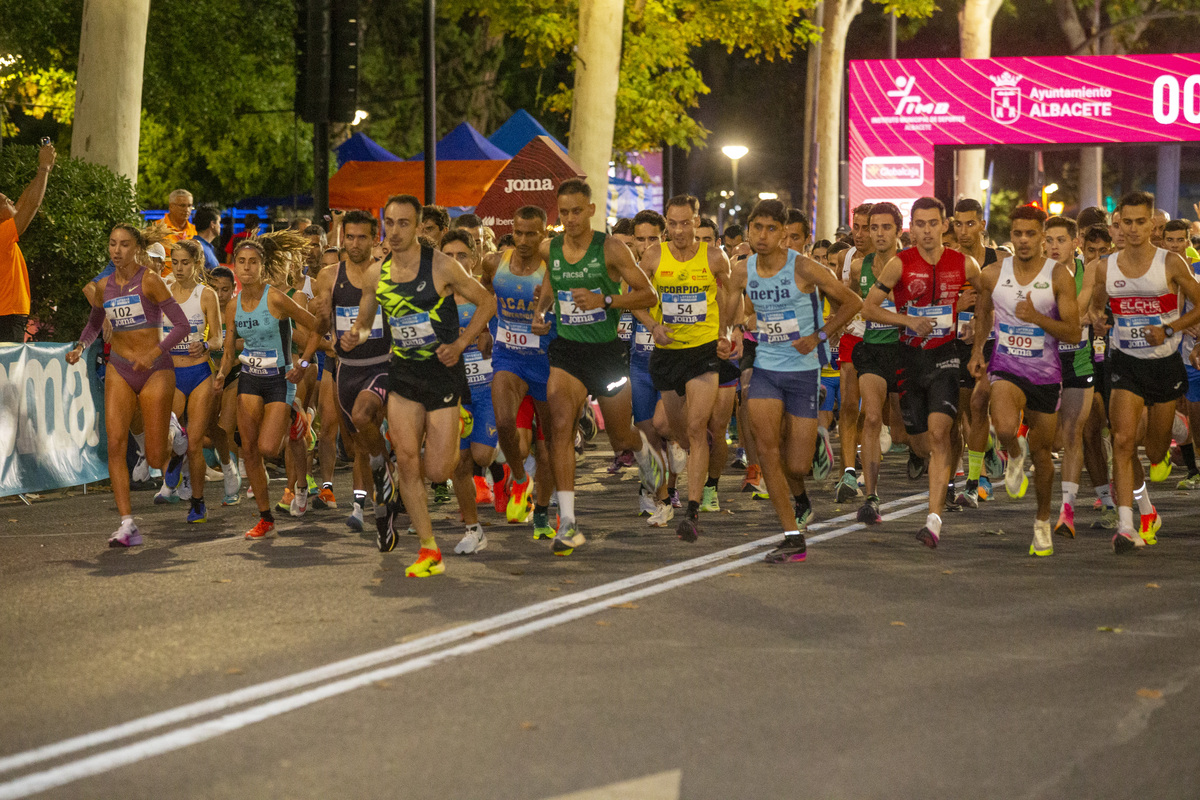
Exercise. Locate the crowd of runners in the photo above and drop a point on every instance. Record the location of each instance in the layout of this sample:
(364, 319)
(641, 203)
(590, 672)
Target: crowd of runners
(428, 355)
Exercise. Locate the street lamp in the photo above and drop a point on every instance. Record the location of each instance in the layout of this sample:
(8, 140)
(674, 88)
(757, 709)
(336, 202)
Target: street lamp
(735, 152)
(1048, 190)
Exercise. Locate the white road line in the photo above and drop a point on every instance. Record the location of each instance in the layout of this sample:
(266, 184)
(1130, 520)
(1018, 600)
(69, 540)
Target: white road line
(102, 762)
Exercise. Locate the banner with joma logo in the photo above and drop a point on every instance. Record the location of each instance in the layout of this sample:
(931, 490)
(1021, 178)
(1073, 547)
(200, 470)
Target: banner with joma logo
(51, 419)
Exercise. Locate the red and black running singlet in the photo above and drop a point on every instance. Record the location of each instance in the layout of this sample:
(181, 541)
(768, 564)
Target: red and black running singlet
(930, 290)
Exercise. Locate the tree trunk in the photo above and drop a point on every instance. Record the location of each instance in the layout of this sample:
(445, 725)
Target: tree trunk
(975, 41)
(108, 95)
(811, 74)
(837, 15)
(594, 110)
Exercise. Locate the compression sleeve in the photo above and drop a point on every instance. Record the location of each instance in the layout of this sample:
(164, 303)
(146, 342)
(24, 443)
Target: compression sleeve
(174, 312)
(92, 330)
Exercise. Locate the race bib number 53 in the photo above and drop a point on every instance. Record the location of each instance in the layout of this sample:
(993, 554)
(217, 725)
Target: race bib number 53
(412, 330)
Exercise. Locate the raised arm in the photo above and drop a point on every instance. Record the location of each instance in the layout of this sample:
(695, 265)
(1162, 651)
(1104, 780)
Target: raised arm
(31, 199)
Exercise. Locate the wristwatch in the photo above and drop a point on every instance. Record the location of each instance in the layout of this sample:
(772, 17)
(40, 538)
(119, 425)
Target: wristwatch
(303, 364)
(822, 335)
(608, 300)
(1168, 331)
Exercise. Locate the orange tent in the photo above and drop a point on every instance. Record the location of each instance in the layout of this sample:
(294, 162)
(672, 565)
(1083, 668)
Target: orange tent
(368, 184)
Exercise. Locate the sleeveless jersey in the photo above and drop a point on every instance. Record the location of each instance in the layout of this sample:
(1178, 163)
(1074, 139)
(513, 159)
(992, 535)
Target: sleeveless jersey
(687, 298)
(930, 290)
(1080, 351)
(967, 315)
(591, 273)
(848, 262)
(514, 309)
(1138, 303)
(479, 369)
(268, 340)
(876, 332)
(783, 315)
(421, 320)
(195, 314)
(1189, 341)
(830, 370)
(126, 305)
(345, 300)
(1023, 348)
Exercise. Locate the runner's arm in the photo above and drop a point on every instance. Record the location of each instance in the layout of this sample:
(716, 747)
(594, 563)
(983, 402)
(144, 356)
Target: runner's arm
(848, 302)
(872, 310)
(1098, 303)
(641, 294)
(458, 280)
(283, 306)
(367, 306)
(321, 308)
(1181, 275)
(1066, 328)
(230, 345)
(984, 309)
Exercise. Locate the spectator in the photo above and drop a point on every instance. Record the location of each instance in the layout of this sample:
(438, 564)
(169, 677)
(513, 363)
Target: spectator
(177, 222)
(250, 225)
(14, 275)
(207, 222)
(435, 221)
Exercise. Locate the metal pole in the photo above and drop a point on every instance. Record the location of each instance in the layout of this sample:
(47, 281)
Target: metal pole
(320, 171)
(668, 174)
(430, 60)
(733, 200)
(892, 37)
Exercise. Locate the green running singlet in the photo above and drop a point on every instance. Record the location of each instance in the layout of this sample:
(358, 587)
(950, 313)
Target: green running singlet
(590, 272)
(876, 332)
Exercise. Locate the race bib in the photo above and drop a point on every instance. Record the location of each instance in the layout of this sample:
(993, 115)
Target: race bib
(1131, 331)
(777, 326)
(1071, 347)
(965, 321)
(344, 317)
(571, 314)
(1021, 341)
(684, 309)
(412, 330)
(940, 316)
(125, 312)
(264, 363)
(479, 369)
(886, 305)
(517, 335)
(643, 340)
(184, 346)
(625, 327)
(1099, 346)
(857, 326)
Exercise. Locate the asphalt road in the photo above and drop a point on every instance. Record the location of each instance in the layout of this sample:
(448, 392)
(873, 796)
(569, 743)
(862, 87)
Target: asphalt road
(309, 667)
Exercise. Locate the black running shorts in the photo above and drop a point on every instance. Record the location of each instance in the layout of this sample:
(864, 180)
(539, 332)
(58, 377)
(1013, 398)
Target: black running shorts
(672, 369)
(1155, 380)
(430, 383)
(928, 384)
(602, 367)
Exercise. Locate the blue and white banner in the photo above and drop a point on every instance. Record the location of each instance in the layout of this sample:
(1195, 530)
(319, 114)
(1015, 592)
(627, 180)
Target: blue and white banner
(51, 419)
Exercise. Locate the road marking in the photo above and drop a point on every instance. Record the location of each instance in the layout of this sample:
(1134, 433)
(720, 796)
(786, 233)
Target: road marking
(568, 608)
(663, 786)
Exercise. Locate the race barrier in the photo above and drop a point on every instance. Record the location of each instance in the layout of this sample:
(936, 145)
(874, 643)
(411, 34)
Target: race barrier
(51, 419)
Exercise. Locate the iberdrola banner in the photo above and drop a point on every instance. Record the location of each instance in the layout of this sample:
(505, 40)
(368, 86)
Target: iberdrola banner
(51, 419)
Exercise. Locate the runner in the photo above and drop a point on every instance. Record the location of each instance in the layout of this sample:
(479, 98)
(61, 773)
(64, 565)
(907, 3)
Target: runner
(261, 316)
(134, 301)
(925, 282)
(520, 366)
(1141, 285)
(195, 401)
(1032, 299)
(224, 423)
(416, 286)
(849, 421)
(728, 376)
(1097, 242)
(1078, 378)
(877, 356)
(689, 341)
(785, 290)
(583, 282)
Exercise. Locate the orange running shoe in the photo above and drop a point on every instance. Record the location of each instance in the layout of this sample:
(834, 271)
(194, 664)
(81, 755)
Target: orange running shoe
(502, 492)
(428, 563)
(265, 529)
(483, 494)
(285, 502)
(325, 499)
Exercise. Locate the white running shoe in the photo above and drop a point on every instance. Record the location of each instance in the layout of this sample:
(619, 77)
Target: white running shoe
(661, 516)
(212, 475)
(299, 503)
(242, 469)
(472, 542)
(166, 495)
(126, 536)
(1016, 482)
(646, 504)
(1043, 541)
(233, 484)
(885, 440)
(178, 438)
(141, 470)
(678, 457)
(185, 483)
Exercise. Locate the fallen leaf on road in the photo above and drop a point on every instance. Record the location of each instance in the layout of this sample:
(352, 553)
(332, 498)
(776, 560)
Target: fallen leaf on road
(529, 726)
(383, 684)
(12, 520)
(1149, 694)
(556, 588)
(566, 580)
(517, 572)
(603, 623)
(947, 572)
(997, 532)
(625, 605)
(223, 580)
(735, 574)
(1109, 629)
(899, 624)
(234, 671)
(1153, 586)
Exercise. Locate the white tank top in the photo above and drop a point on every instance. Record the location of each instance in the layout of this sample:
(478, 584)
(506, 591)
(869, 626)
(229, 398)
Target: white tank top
(1138, 303)
(195, 314)
(850, 254)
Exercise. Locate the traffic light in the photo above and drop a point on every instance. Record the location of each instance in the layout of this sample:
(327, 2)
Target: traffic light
(326, 60)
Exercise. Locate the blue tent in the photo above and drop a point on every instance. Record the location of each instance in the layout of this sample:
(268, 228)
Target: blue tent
(464, 143)
(520, 129)
(361, 147)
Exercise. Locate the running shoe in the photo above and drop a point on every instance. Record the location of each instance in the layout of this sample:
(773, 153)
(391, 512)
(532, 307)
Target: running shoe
(1160, 472)
(847, 487)
(710, 501)
(916, 465)
(885, 440)
(141, 470)
(441, 493)
(310, 484)
(803, 517)
(483, 492)
(177, 441)
(232, 484)
(567, 540)
(823, 457)
(520, 502)
(587, 422)
(673, 498)
(967, 498)
(653, 470)
(127, 535)
(385, 529)
(985, 489)
(663, 514)
(687, 529)
(285, 502)
(1192, 481)
(928, 536)
(993, 462)
(1151, 523)
(621, 461)
(1016, 482)
(948, 501)
(198, 512)
(1108, 518)
(753, 478)
(677, 456)
(646, 504)
(792, 549)
(355, 521)
(868, 513)
(185, 483)
(500, 494)
(264, 529)
(1043, 543)
(324, 499)
(428, 564)
(384, 489)
(299, 505)
(1123, 543)
(1066, 522)
(212, 475)
(541, 526)
(472, 542)
(166, 495)
(739, 458)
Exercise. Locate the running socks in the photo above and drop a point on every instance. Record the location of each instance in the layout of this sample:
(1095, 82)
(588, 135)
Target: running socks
(974, 466)
(267, 516)
(1188, 451)
(693, 510)
(712, 482)
(360, 497)
(802, 503)
(1105, 494)
(127, 519)
(1142, 496)
(566, 506)
(1125, 520)
(496, 470)
(1069, 490)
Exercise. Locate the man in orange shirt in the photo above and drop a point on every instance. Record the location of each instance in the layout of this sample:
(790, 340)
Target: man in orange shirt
(177, 220)
(14, 275)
